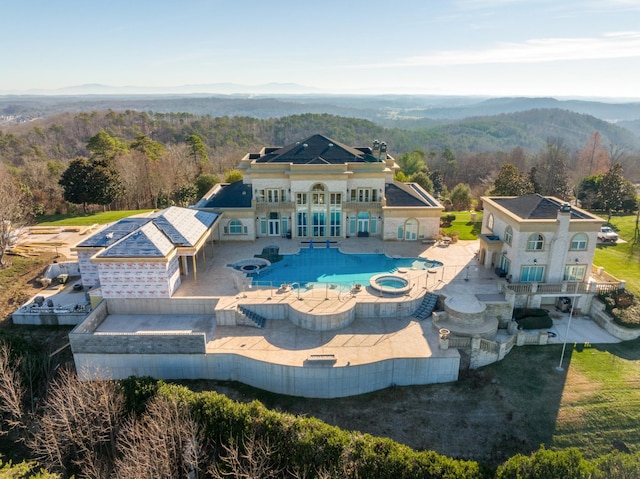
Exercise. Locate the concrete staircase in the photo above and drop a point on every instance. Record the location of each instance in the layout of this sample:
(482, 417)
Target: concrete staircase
(427, 306)
(258, 320)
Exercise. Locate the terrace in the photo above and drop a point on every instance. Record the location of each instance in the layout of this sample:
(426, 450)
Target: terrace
(229, 326)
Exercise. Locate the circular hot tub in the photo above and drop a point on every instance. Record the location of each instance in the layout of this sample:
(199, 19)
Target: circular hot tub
(389, 284)
(251, 266)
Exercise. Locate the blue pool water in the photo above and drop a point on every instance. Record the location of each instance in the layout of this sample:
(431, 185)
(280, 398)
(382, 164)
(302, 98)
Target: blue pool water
(329, 265)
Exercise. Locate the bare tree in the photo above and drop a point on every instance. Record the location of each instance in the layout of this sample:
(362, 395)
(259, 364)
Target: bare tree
(12, 391)
(253, 462)
(165, 442)
(13, 209)
(78, 428)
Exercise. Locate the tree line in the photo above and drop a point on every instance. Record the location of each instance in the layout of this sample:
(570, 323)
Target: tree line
(133, 160)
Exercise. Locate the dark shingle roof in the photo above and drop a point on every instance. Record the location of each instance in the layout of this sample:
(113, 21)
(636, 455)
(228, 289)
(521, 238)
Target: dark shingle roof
(399, 197)
(318, 149)
(536, 207)
(233, 195)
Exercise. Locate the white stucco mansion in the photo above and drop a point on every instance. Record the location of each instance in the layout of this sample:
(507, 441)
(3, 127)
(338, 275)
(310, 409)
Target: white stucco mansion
(537, 239)
(319, 188)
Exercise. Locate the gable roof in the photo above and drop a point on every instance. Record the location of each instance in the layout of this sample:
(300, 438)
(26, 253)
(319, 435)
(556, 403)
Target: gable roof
(147, 241)
(183, 226)
(318, 149)
(537, 207)
(113, 233)
(152, 237)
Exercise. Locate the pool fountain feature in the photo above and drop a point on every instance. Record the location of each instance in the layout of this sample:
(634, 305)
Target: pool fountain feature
(390, 284)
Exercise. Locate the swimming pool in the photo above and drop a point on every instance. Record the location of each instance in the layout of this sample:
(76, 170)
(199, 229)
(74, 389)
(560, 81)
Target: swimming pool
(329, 265)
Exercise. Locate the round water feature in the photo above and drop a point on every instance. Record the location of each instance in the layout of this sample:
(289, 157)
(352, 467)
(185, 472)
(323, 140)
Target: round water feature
(389, 284)
(251, 266)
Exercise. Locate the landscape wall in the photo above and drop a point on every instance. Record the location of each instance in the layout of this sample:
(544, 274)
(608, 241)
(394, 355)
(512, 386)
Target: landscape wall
(314, 381)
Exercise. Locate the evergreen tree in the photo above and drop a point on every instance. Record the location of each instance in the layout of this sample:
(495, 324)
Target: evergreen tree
(197, 151)
(461, 197)
(550, 176)
(510, 182)
(612, 190)
(422, 178)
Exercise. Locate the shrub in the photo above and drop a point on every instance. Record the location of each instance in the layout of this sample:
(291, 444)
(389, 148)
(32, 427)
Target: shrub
(623, 307)
(447, 220)
(545, 464)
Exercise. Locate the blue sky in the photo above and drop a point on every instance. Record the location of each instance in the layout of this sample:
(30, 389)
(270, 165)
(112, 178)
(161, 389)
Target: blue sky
(484, 47)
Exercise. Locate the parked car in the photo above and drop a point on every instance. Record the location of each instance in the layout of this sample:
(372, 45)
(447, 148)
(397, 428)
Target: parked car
(607, 235)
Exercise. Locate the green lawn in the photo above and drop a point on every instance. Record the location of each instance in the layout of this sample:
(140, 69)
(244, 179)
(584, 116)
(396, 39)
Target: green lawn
(87, 219)
(600, 404)
(467, 229)
(623, 259)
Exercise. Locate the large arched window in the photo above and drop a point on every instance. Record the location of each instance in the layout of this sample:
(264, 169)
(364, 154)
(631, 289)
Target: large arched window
(508, 235)
(490, 221)
(411, 230)
(535, 242)
(234, 227)
(579, 242)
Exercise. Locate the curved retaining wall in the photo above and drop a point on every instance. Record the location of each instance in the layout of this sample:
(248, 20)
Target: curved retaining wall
(397, 308)
(305, 381)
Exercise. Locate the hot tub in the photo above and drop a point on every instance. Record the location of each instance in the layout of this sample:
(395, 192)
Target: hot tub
(251, 266)
(390, 284)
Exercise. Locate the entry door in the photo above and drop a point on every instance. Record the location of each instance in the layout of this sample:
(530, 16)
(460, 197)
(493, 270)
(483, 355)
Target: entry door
(363, 222)
(274, 224)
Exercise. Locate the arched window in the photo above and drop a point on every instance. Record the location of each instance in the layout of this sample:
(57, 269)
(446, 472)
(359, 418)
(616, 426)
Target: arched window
(234, 227)
(490, 221)
(535, 242)
(508, 235)
(579, 242)
(411, 230)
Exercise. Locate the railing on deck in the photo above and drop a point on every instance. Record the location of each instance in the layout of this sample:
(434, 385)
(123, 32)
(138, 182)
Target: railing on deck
(272, 205)
(567, 288)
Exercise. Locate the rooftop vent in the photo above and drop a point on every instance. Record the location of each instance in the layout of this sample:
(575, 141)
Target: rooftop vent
(565, 208)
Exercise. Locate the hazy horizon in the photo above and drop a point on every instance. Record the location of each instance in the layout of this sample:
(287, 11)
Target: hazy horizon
(493, 48)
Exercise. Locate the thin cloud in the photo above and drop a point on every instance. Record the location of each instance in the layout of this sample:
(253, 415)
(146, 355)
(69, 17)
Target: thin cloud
(610, 45)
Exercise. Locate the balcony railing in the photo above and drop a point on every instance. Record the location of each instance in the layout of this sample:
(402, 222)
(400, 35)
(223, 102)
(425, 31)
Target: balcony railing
(562, 288)
(274, 205)
(359, 205)
(262, 205)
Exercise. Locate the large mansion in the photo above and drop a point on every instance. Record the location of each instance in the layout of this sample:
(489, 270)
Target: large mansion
(319, 188)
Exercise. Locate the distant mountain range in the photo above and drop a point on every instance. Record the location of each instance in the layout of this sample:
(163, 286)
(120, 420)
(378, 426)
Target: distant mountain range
(208, 88)
(466, 122)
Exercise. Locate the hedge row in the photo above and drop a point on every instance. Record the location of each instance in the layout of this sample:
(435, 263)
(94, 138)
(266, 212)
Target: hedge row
(308, 444)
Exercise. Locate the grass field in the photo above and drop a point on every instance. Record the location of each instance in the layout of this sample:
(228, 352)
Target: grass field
(623, 259)
(467, 230)
(600, 406)
(87, 219)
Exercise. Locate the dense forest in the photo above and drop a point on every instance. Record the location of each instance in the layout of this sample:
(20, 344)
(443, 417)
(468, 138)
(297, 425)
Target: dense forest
(170, 158)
